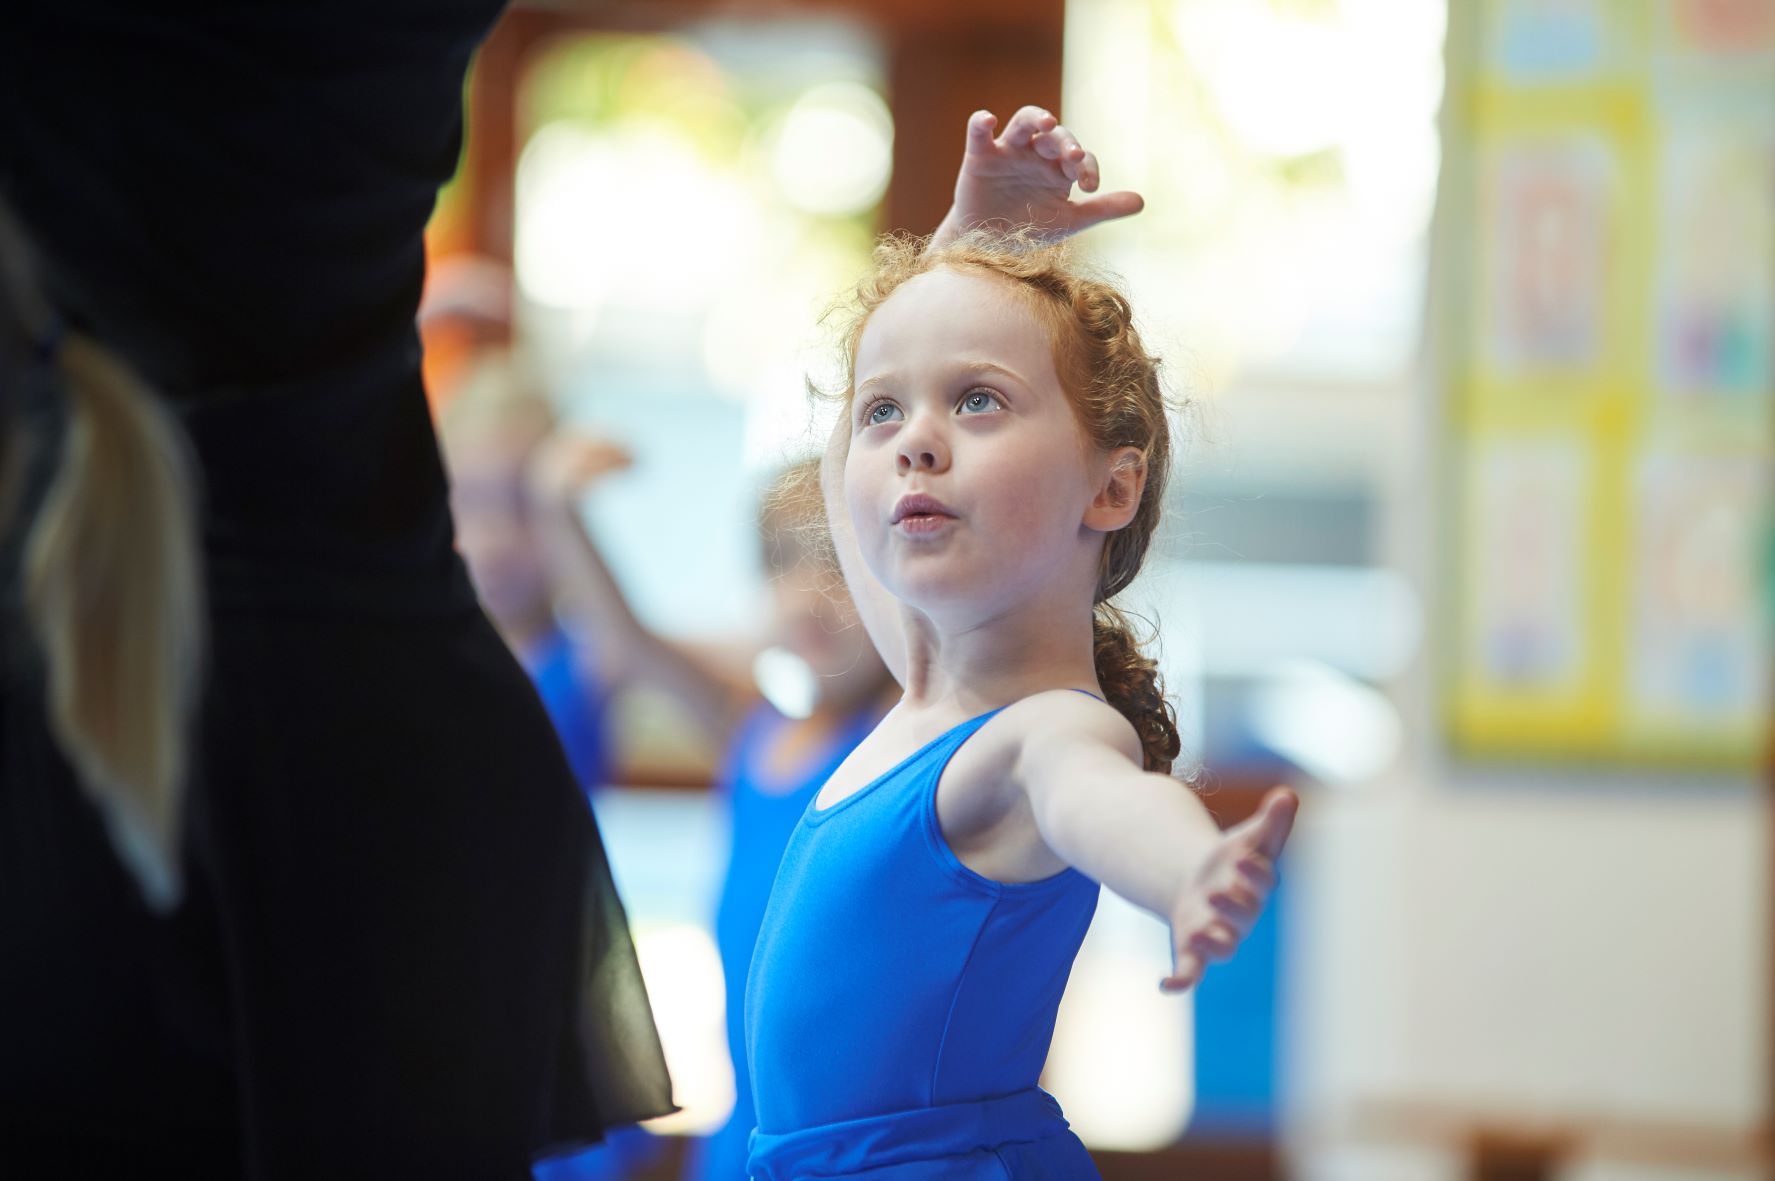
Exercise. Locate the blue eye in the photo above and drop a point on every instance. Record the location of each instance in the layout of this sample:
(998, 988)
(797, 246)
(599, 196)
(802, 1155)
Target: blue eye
(979, 402)
(881, 412)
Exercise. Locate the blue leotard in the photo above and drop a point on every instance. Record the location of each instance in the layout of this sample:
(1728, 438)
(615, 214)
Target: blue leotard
(900, 1005)
(576, 705)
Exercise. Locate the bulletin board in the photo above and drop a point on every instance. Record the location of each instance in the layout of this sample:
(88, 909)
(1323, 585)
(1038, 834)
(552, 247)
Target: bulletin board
(1605, 274)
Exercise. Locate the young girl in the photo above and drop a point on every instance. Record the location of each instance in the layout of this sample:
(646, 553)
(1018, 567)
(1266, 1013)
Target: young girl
(994, 481)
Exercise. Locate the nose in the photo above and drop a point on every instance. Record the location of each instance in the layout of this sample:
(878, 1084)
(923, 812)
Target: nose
(921, 447)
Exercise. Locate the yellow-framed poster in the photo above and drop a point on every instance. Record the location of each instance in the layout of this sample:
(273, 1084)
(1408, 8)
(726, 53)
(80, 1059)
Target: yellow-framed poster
(1606, 285)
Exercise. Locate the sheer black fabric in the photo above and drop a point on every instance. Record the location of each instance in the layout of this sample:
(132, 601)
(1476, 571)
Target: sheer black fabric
(400, 952)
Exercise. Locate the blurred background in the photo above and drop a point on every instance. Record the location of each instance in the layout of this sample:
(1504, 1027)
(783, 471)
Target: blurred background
(1470, 306)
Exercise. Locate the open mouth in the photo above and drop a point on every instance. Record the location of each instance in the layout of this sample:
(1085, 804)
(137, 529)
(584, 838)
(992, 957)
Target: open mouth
(919, 511)
(920, 523)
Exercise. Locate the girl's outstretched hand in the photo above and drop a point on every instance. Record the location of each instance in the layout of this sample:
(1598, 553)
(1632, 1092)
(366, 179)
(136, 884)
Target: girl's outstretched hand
(1218, 908)
(1025, 175)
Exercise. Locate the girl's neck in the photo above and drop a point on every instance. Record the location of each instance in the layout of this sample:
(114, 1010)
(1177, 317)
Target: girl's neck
(1003, 659)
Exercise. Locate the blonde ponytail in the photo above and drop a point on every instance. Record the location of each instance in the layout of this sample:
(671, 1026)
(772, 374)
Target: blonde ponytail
(114, 598)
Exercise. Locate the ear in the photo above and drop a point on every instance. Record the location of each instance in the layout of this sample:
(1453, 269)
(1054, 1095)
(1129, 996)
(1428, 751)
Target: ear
(1118, 492)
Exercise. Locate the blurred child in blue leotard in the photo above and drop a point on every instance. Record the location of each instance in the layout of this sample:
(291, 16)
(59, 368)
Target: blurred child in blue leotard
(493, 430)
(773, 762)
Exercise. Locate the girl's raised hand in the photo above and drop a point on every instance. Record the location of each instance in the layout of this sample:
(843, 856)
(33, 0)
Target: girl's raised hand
(1218, 908)
(1025, 175)
(570, 461)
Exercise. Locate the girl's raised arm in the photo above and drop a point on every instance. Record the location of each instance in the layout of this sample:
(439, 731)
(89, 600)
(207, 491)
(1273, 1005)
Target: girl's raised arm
(883, 617)
(569, 463)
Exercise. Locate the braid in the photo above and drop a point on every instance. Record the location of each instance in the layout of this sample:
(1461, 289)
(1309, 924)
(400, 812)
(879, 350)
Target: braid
(1130, 681)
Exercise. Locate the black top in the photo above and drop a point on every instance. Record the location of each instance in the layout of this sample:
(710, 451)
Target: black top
(234, 197)
(399, 952)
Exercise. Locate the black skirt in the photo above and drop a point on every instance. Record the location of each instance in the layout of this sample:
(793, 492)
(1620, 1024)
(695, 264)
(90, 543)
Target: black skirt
(400, 953)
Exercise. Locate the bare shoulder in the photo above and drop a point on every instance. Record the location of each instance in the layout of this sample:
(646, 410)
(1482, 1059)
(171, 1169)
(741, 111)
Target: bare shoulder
(1048, 724)
(986, 772)
(984, 800)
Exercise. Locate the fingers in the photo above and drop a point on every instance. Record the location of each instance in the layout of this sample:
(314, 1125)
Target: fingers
(1091, 211)
(1215, 941)
(1025, 125)
(1059, 144)
(1050, 145)
(1257, 871)
(1237, 898)
(609, 459)
(595, 455)
(1266, 831)
(1062, 147)
(1275, 820)
(570, 462)
(1026, 176)
(1221, 910)
(1237, 903)
(1036, 129)
(1089, 176)
(1211, 927)
(1186, 972)
(980, 127)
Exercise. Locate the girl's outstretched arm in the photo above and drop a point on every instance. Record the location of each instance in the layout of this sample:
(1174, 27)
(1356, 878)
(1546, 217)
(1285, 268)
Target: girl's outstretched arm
(1025, 176)
(567, 464)
(1147, 836)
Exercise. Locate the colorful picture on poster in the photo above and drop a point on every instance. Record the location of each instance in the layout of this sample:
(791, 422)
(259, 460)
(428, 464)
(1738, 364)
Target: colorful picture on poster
(1527, 509)
(1549, 40)
(1700, 642)
(1546, 218)
(1715, 282)
(1724, 28)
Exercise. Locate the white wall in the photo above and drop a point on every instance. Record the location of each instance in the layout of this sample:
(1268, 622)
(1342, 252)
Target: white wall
(1531, 950)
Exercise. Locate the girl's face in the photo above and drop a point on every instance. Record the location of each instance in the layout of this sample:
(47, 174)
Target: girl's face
(968, 479)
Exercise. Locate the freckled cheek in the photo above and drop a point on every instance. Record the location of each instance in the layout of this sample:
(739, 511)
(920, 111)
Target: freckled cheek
(1020, 521)
(1029, 495)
